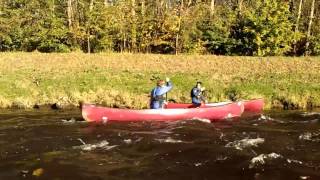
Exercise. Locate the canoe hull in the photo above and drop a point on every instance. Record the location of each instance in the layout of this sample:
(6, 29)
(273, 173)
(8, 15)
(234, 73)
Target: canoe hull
(254, 106)
(94, 113)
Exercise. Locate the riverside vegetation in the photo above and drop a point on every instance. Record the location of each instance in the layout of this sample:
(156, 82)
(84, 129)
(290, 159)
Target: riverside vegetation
(221, 27)
(124, 80)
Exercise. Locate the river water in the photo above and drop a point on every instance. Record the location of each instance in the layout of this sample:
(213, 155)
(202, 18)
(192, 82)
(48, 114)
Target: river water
(58, 145)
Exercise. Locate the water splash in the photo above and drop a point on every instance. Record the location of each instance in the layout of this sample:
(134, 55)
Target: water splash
(305, 122)
(261, 159)
(90, 147)
(169, 140)
(202, 120)
(70, 121)
(294, 161)
(245, 143)
(308, 136)
(266, 118)
(310, 113)
(127, 141)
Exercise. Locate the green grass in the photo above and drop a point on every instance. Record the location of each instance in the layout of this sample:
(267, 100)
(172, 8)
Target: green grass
(125, 80)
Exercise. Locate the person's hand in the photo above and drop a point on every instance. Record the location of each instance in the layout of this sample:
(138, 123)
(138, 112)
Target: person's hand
(203, 88)
(167, 79)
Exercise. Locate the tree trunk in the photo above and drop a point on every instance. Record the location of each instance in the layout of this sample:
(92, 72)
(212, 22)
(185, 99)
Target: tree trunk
(143, 8)
(89, 27)
(134, 26)
(296, 30)
(88, 43)
(291, 6)
(91, 5)
(159, 4)
(51, 7)
(76, 18)
(106, 3)
(69, 12)
(142, 29)
(179, 28)
(240, 2)
(309, 28)
(212, 8)
(124, 42)
(168, 4)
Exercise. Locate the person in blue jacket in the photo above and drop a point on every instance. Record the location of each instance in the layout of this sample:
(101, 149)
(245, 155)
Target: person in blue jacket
(196, 94)
(158, 94)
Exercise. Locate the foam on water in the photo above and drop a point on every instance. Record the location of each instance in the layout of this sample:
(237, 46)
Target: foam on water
(169, 140)
(127, 141)
(294, 161)
(266, 118)
(305, 122)
(90, 147)
(308, 136)
(310, 113)
(202, 120)
(262, 158)
(245, 143)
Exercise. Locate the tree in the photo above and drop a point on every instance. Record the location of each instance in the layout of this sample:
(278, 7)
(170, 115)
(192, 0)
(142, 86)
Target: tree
(215, 31)
(309, 28)
(296, 30)
(133, 27)
(226, 27)
(264, 30)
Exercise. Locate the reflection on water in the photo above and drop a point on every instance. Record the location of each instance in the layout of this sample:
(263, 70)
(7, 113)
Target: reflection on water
(56, 145)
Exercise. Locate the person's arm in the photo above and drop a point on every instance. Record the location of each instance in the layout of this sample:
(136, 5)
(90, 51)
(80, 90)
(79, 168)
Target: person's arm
(165, 89)
(169, 85)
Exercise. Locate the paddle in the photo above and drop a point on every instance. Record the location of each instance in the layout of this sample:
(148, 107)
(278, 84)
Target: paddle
(166, 97)
(167, 81)
(204, 95)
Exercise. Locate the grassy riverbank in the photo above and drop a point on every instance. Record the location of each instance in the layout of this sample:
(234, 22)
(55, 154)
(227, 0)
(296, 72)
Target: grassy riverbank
(124, 80)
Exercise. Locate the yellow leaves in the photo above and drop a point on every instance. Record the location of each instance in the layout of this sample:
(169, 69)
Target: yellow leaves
(4, 102)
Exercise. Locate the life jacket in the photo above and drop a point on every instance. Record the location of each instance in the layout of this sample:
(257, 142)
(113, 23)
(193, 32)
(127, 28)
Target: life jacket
(157, 97)
(192, 94)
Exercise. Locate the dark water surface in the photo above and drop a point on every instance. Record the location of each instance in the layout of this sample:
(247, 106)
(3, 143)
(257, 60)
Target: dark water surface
(55, 145)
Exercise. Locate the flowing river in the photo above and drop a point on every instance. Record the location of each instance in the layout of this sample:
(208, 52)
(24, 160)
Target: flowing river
(58, 145)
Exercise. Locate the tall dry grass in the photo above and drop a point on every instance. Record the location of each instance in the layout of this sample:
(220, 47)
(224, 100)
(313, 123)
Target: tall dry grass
(124, 80)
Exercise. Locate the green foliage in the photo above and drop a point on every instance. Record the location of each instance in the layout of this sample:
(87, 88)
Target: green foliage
(54, 37)
(264, 30)
(315, 45)
(216, 32)
(260, 28)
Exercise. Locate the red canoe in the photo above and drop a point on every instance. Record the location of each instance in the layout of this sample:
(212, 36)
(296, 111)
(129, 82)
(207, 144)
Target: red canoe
(253, 106)
(94, 113)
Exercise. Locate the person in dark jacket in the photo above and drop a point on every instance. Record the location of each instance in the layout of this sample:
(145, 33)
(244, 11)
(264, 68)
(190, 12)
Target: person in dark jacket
(158, 94)
(197, 94)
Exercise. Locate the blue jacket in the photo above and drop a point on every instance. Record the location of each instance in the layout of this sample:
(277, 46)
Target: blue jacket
(196, 96)
(158, 95)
